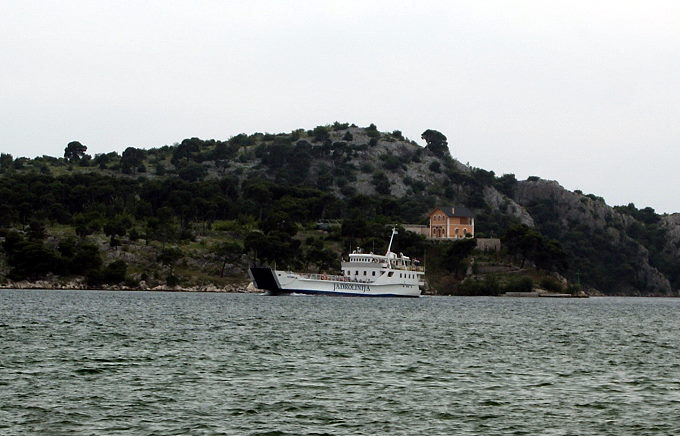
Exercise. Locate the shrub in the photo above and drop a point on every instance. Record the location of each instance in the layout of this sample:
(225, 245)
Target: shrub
(113, 273)
(348, 190)
(381, 183)
(574, 288)
(551, 284)
(187, 235)
(131, 282)
(192, 172)
(227, 226)
(372, 131)
(435, 167)
(172, 280)
(520, 284)
(418, 186)
(134, 234)
(366, 168)
(391, 162)
(324, 181)
(320, 133)
(488, 286)
(469, 288)
(506, 184)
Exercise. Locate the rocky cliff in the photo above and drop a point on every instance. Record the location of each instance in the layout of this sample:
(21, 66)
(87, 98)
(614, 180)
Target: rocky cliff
(561, 214)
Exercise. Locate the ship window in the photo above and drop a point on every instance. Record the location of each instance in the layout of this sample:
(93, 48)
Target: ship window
(390, 274)
(374, 273)
(364, 272)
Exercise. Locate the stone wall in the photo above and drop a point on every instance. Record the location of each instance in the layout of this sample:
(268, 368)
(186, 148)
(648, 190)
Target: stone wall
(419, 229)
(489, 244)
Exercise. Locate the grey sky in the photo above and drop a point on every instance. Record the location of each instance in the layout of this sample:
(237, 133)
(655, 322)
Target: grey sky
(583, 92)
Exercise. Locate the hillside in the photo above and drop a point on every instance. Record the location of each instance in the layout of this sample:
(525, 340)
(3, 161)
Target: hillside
(199, 211)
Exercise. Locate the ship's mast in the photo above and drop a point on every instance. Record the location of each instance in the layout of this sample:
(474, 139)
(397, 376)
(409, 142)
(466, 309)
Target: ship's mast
(389, 247)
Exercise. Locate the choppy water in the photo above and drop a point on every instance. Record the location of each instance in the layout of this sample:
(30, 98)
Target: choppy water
(174, 363)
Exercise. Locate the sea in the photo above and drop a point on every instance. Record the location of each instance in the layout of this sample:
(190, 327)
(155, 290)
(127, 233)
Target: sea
(155, 363)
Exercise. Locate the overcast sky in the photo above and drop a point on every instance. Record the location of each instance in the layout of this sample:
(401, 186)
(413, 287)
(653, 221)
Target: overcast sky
(583, 92)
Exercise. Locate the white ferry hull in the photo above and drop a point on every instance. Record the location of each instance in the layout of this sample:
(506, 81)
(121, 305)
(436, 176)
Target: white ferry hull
(282, 282)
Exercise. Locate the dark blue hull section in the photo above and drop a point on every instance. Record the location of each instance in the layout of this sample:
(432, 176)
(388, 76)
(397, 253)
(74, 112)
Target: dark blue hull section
(344, 294)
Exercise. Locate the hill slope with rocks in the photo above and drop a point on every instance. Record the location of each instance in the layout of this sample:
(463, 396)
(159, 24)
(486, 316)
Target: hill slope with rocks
(219, 204)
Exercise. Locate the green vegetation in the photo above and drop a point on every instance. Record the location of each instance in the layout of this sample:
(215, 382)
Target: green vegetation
(200, 211)
(436, 143)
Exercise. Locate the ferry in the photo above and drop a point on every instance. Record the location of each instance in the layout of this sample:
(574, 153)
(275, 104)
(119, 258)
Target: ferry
(363, 275)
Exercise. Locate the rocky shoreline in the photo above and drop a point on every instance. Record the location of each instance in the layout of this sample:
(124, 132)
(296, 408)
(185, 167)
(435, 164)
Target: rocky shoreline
(74, 285)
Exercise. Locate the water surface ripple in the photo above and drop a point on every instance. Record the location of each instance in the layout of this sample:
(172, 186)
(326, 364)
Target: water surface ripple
(99, 362)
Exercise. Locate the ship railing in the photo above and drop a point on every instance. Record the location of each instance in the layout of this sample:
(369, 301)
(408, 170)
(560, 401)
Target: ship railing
(335, 278)
(409, 268)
